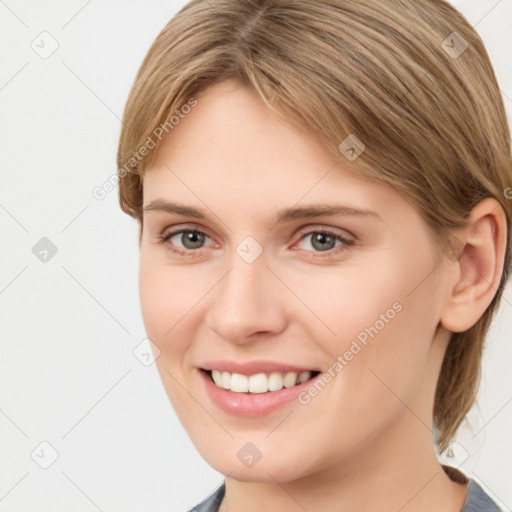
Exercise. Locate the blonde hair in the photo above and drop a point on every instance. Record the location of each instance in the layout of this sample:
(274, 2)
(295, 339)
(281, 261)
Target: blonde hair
(411, 80)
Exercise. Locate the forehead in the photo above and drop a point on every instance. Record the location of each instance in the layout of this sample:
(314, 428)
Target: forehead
(232, 152)
(232, 124)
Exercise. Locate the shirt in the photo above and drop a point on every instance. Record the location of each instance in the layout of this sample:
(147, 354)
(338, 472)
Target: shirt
(477, 500)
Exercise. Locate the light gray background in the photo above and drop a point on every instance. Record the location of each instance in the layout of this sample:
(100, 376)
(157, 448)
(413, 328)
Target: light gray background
(68, 375)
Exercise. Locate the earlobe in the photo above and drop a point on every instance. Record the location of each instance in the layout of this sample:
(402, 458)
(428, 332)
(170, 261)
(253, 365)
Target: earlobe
(477, 272)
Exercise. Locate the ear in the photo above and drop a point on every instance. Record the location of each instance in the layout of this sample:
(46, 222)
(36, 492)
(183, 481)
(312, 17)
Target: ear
(476, 274)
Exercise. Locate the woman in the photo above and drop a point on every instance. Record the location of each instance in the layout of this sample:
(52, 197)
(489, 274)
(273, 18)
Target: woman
(321, 190)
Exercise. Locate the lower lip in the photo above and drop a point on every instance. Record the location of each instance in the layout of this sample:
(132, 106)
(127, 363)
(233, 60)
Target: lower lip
(251, 404)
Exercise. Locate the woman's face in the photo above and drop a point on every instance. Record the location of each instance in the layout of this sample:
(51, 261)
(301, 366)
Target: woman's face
(243, 284)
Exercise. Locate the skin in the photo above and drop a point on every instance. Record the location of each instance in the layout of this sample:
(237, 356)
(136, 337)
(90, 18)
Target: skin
(365, 441)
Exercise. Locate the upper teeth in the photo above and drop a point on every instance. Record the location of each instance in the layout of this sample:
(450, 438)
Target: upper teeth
(259, 383)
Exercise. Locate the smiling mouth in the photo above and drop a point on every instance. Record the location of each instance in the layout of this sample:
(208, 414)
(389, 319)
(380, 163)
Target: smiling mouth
(259, 382)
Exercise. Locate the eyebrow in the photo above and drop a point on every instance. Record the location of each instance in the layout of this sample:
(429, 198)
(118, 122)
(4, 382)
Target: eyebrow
(283, 215)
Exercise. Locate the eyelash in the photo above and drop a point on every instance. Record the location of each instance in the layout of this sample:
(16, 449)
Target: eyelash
(163, 239)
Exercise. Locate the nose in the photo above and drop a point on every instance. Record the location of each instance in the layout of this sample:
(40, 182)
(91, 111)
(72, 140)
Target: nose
(245, 305)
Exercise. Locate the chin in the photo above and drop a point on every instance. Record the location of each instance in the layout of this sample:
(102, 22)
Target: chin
(273, 464)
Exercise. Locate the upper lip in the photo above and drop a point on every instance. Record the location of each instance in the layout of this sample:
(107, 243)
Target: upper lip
(253, 367)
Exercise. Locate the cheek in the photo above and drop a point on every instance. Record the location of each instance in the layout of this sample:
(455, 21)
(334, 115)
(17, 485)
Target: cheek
(381, 322)
(167, 305)
(355, 301)
(166, 298)
(154, 299)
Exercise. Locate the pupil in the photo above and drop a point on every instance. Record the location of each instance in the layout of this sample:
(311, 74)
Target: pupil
(321, 239)
(189, 239)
